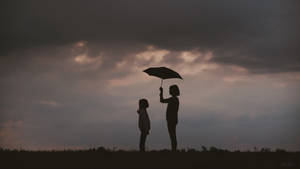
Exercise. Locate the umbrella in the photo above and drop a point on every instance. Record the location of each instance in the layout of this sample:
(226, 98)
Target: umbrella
(163, 73)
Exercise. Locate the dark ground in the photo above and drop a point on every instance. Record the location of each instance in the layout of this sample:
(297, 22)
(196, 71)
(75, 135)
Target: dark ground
(101, 158)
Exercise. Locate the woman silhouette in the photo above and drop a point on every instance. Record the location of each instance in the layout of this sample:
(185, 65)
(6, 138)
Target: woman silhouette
(172, 112)
(144, 122)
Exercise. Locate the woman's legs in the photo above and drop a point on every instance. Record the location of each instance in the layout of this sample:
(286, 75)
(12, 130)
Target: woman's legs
(172, 133)
(142, 141)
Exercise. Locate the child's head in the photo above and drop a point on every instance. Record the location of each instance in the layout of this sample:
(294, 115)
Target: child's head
(174, 90)
(143, 103)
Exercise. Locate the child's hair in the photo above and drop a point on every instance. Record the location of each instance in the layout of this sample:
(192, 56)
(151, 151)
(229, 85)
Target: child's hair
(174, 90)
(143, 103)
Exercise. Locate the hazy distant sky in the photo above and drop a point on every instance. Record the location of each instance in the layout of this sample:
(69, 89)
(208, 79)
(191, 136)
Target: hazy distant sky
(71, 72)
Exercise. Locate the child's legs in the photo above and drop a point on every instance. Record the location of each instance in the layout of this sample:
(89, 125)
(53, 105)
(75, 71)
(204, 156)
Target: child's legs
(143, 140)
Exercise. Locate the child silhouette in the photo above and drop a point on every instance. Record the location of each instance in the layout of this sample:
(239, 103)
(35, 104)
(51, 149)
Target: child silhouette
(144, 122)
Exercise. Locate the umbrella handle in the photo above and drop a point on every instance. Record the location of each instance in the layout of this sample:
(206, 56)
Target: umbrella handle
(161, 83)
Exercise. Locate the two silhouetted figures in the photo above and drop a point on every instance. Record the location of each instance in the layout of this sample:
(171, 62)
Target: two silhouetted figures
(171, 116)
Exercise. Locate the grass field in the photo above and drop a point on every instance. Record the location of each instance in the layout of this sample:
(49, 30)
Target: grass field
(102, 158)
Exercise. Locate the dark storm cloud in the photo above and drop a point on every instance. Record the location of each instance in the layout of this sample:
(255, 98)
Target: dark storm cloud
(259, 35)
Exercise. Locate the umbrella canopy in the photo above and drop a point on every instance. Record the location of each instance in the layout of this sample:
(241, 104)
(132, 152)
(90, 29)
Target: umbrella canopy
(162, 72)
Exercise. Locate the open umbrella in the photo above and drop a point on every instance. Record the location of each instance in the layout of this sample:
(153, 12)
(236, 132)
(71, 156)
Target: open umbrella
(163, 73)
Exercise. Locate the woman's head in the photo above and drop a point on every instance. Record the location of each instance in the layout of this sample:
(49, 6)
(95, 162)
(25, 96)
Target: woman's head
(174, 90)
(143, 103)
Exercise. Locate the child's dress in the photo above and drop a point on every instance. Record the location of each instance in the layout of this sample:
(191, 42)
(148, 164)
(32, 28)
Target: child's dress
(144, 121)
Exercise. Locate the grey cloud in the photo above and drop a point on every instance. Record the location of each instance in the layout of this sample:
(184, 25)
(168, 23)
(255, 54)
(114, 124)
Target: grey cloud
(261, 36)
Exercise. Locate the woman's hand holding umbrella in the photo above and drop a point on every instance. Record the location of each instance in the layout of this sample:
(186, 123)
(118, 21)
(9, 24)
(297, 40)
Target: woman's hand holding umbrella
(161, 91)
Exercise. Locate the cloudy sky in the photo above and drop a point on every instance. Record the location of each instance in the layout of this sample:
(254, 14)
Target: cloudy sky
(71, 72)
